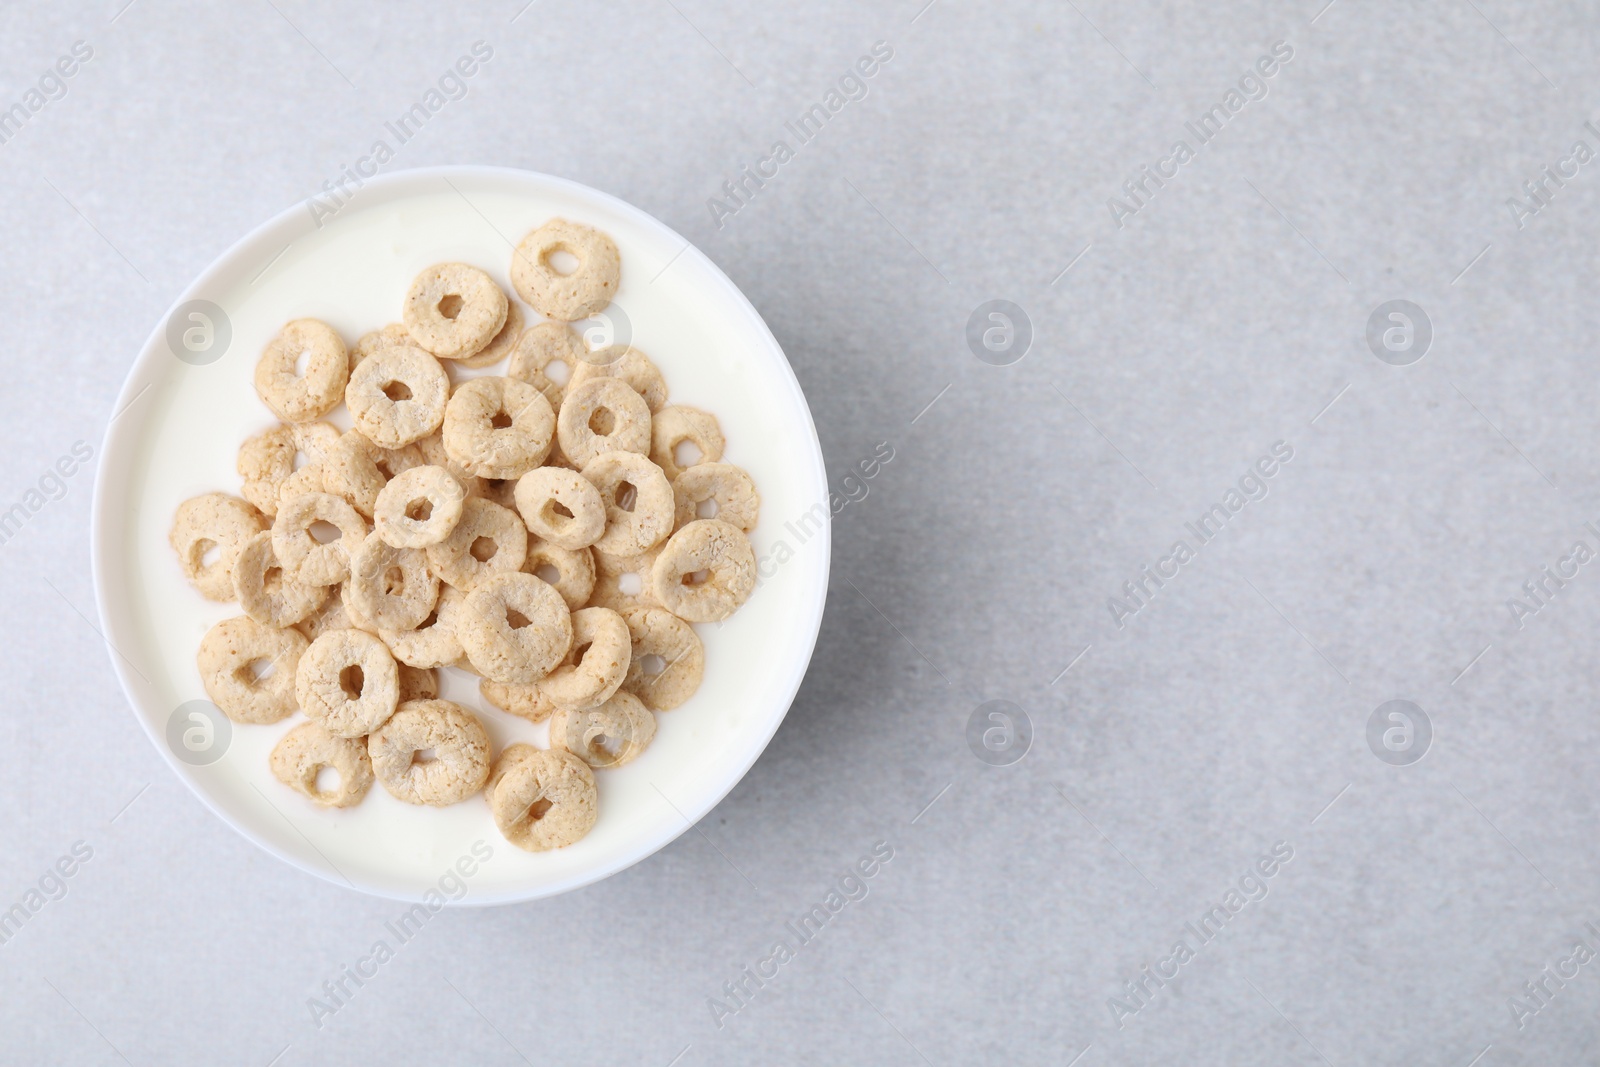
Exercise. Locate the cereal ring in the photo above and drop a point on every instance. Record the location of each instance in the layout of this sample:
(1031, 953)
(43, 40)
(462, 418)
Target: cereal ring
(308, 558)
(355, 618)
(668, 659)
(488, 540)
(572, 296)
(501, 344)
(540, 345)
(302, 754)
(622, 583)
(207, 533)
(284, 462)
(419, 507)
(498, 427)
(524, 700)
(542, 800)
(608, 735)
(397, 395)
(602, 415)
(433, 453)
(561, 506)
(595, 665)
(248, 669)
(297, 397)
(454, 310)
(570, 573)
(347, 682)
(392, 588)
(417, 683)
(637, 499)
(705, 571)
(679, 426)
(357, 469)
(629, 366)
(330, 616)
(266, 592)
(515, 629)
(392, 334)
(433, 643)
(431, 752)
(716, 491)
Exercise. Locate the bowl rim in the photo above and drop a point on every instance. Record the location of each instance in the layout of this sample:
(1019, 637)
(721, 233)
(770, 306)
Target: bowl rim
(290, 223)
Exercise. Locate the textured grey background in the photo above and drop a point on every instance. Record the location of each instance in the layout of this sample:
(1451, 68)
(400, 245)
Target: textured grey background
(1230, 714)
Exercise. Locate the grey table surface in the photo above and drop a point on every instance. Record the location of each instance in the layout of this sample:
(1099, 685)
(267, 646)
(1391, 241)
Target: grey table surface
(1431, 910)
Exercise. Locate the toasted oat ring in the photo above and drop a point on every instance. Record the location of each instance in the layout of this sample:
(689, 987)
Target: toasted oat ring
(570, 572)
(602, 415)
(488, 540)
(213, 522)
(433, 643)
(596, 664)
(607, 735)
(637, 499)
(542, 799)
(305, 560)
(358, 469)
(417, 683)
(719, 550)
(573, 296)
(622, 583)
(392, 334)
(300, 398)
(678, 425)
(501, 344)
(348, 682)
(729, 492)
(392, 588)
(248, 669)
(668, 660)
(266, 592)
(561, 506)
(304, 752)
(267, 463)
(453, 310)
(397, 395)
(540, 345)
(524, 700)
(629, 366)
(460, 749)
(515, 628)
(330, 616)
(355, 618)
(419, 507)
(498, 427)
(433, 453)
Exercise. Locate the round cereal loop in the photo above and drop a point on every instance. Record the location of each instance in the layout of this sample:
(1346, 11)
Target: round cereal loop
(267, 463)
(308, 559)
(347, 682)
(392, 334)
(515, 628)
(433, 643)
(540, 345)
(594, 667)
(528, 701)
(391, 588)
(602, 415)
(608, 735)
(302, 754)
(567, 297)
(622, 583)
(417, 683)
(705, 571)
(637, 499)
(296, 396)
(453, 310)
(684, 426)
(542, 799)
(207, 533)
(433, 453)
(355, 618)
(430, 752)
(488, 540)
(501, 344)
(668, 659)
(561, 506)
(419, 507)
(498, 427)
(248, 669)
(570, 572)
(330, 616)
(266, 592)
(629, 366)
(716, 491)
(357, 469)
(397, 395)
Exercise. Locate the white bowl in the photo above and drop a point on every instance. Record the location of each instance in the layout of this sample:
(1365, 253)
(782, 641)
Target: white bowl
(176, 431)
